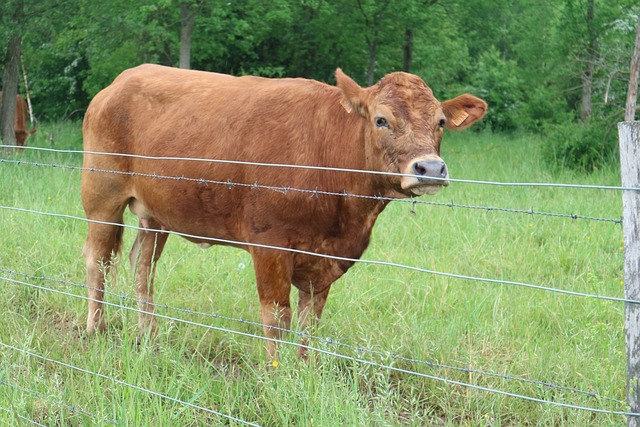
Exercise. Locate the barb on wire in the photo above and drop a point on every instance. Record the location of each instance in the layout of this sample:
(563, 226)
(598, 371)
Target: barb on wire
(315, 191)
(300, 345)
(326, 168)
(327, 341)
(236, 243)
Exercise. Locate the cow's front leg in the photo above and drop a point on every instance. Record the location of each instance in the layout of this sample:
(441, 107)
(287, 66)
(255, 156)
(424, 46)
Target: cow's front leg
(273, 271)
(310, 306)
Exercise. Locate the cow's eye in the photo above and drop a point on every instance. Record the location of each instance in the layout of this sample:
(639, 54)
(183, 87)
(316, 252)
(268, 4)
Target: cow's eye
(441, 124)
(381, 122)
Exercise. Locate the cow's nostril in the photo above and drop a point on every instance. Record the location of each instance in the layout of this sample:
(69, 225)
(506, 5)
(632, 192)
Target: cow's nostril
(419, 168)
(443, 171)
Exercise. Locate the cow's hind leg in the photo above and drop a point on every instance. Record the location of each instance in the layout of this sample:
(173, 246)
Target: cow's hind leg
(310, 306)
(273, 271)
(146, 251)
(103, 240)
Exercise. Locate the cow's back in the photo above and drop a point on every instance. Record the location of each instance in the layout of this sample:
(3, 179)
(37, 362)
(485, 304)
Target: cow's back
(175, 112)
(164, 112)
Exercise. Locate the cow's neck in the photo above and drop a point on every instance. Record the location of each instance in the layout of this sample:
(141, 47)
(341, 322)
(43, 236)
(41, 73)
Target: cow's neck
(357, 218)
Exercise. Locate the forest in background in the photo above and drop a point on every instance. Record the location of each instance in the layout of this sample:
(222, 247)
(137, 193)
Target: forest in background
(559, 67)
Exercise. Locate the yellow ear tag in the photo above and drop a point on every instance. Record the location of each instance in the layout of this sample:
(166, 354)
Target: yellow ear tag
(459, 117)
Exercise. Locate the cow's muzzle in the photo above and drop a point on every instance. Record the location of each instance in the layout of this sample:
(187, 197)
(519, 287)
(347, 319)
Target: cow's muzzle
(427, 176)
(427, 170)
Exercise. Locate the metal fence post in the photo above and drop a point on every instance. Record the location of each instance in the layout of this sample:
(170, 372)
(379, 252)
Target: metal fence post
(629, 137)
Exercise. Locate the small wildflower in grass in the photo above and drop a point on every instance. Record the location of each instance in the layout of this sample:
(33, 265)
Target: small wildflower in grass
(275, 363)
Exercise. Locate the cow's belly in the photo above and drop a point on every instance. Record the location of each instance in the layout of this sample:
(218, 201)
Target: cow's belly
(204, 221)
(243, 217)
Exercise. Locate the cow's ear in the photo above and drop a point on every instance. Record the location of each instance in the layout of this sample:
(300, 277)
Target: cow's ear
(353, 95)
(463, 111)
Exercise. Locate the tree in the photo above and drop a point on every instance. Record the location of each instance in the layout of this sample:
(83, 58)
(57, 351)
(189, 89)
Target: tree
(313, 45)
(373, 17)
(10, 90)
(14, 11)
(415, 18)
(593, 39)
(538, 62)
(188, 12)
(408, 50)
(632, 94)
(589, 60)
(498, 83)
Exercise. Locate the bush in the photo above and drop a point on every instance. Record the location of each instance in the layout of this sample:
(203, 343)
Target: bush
(497, 83)
(543, 107)
(581, 146)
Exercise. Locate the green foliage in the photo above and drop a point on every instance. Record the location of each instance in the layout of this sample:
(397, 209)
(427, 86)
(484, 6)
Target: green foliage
(56, 83)
(581, 146)
(504, 96)
(526, 58)
(441, 55)
(109, 65)
(542, 108)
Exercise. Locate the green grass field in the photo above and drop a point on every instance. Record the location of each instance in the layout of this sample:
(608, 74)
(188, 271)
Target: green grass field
(404, 316)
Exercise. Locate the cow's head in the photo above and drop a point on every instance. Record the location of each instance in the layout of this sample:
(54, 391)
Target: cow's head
(404, 127)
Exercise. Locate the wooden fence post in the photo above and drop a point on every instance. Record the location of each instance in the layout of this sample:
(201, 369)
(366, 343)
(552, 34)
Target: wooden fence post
(629, 137)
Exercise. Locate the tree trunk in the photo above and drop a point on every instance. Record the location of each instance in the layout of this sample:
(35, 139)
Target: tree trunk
(372, 23)
(187, 22)
(10, 90)
(373, 60)
(408, 50)
(588, 73)
(632, 94)
(587, 85)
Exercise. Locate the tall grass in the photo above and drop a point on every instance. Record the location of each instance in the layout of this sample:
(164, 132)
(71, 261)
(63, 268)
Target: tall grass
(571, 341)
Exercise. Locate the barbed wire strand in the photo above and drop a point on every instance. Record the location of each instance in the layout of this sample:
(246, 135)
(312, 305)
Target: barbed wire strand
(315, 192)
(334, 257)
(22, 417)
(285, 189)
(326, 168)
(307, 347)
(115, 380)
(324, 340)
(72, 408)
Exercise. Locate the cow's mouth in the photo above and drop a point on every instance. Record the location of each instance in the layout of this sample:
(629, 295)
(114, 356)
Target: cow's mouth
(432, 188)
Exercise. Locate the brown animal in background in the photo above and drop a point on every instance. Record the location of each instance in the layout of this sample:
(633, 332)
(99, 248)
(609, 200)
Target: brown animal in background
(394, 126)
(20, 122)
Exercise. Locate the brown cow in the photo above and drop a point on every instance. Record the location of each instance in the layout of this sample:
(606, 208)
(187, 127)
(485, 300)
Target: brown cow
(20, 122)
(395, 126)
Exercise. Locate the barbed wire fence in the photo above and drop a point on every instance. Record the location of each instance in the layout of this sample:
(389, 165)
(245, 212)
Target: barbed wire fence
(333, 348)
